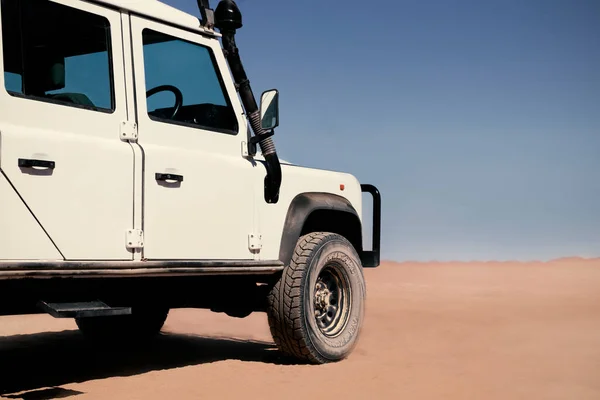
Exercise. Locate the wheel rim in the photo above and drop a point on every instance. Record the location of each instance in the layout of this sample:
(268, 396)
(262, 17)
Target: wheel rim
(332, 299)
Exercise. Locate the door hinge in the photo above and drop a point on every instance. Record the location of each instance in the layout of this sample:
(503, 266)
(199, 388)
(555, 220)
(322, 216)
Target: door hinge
(134, 239)
(128, 131)
(254, 241)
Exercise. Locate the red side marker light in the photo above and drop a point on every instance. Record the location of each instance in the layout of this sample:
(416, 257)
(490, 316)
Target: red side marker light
(342, 186)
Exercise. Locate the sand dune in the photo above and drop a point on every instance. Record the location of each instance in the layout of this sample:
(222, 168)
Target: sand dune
(480, 330)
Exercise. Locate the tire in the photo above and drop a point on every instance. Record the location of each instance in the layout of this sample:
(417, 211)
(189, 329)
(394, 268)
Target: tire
(141, 324)
(298, 300)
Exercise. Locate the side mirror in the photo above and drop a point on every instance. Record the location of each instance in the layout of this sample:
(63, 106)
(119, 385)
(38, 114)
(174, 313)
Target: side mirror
(269, 109)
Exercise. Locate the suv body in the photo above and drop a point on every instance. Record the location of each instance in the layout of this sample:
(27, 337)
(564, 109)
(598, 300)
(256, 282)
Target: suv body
(115, 197)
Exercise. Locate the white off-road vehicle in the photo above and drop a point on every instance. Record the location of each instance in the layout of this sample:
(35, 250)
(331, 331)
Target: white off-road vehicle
(131, 183)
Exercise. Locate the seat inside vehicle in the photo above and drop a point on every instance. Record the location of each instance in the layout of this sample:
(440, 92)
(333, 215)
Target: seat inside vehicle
(43, 58)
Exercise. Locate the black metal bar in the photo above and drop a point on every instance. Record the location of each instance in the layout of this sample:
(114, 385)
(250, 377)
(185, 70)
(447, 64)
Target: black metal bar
(83, 309)
(371, 259)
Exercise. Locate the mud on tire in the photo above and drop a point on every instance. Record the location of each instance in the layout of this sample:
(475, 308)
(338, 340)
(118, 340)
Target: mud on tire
(316, 309)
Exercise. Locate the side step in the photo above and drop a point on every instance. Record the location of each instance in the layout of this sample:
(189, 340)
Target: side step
(81, 310)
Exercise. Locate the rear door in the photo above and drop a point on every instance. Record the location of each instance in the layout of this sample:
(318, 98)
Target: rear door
(62, 104)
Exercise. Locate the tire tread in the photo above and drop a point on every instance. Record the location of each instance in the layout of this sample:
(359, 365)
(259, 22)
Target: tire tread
(285, 306)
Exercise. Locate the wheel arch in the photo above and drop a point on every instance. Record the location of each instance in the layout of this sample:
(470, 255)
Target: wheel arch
(316, 212)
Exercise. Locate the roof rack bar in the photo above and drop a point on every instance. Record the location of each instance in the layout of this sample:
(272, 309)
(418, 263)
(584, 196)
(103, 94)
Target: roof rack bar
(207, 14)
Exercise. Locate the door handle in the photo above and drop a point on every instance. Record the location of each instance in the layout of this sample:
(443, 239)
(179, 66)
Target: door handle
(30, 163)
(168, 177)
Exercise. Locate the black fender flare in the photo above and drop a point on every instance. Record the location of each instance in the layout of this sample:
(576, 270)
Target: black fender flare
(301, 207)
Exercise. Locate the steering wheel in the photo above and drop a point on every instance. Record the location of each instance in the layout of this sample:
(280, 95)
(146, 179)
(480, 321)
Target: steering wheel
(172, 89)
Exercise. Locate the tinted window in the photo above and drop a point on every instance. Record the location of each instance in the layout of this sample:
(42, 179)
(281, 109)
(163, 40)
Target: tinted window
(56, 53)
(187, 69)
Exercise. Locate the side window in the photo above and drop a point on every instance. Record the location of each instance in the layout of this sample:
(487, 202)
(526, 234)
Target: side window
(57, 53)
(183, 85)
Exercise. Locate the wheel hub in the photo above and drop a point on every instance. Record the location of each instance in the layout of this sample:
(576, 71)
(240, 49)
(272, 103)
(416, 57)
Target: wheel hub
(322, 296)
(331, 302)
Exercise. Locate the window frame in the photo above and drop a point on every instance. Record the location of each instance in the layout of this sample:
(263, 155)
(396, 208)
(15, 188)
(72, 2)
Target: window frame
(110, 65)
(217, 71)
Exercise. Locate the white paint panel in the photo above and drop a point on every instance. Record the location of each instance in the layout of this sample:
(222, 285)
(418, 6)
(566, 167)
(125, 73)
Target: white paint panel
(297, 180)
(86, 203)
(210, 214)
(21, 237)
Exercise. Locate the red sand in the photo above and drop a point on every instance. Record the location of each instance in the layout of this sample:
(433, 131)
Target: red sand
(433, 331)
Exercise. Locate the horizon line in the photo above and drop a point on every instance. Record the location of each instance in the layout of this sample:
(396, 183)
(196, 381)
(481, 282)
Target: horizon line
(491, 261)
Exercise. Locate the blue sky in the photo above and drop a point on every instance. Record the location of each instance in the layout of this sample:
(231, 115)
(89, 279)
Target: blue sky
(478, 120)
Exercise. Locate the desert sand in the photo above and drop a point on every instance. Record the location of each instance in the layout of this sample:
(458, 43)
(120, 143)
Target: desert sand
(433, 331)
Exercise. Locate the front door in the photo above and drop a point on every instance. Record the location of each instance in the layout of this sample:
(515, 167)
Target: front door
(62, 103)
(198, 188)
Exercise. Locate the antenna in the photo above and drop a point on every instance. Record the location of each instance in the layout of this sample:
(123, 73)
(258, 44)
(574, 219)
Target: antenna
(207, 14)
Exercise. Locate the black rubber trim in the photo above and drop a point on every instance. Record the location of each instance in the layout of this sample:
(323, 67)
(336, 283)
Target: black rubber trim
(101, 264)
(300, 208)
(99, 269)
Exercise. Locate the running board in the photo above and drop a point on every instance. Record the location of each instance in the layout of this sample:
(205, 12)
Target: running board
(82, 310)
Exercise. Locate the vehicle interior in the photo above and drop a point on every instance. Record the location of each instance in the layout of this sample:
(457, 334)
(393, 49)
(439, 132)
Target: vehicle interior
(204, 114)
(35, 46)
(37, 51)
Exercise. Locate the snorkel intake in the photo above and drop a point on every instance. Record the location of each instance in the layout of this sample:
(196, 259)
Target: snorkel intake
(228, 19)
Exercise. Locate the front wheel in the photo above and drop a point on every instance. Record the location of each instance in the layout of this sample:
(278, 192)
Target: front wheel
(316, 309)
